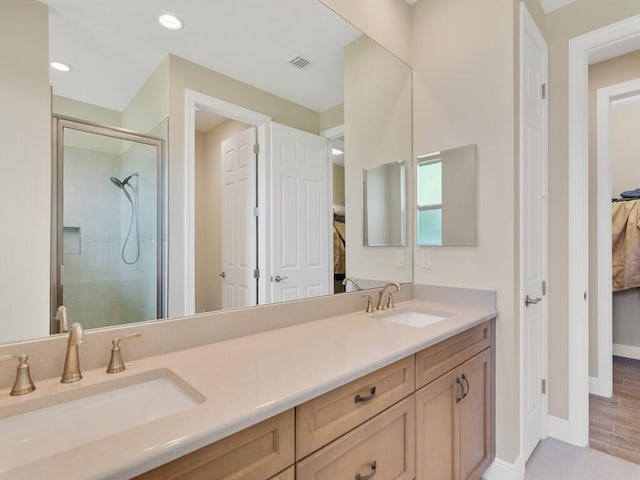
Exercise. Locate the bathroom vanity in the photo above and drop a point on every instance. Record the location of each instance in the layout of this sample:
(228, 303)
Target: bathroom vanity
(429, 415)
(405, 393)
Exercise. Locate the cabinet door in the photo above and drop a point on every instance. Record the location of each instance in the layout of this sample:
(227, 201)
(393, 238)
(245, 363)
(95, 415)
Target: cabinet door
(476, 416)
(437, 424)
(288, 474)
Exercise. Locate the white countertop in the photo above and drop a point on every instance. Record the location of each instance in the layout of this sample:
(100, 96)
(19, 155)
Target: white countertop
(244, 380)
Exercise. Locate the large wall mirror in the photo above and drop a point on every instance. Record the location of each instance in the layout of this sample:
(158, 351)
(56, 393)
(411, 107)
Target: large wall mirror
(212, 166)
(447, 211)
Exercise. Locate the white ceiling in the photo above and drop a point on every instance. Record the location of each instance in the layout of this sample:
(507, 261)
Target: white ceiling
(114, 45)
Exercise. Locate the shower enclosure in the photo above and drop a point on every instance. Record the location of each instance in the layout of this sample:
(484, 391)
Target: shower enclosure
(107, 249)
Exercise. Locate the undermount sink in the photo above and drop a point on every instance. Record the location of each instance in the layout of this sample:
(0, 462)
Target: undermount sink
(412, 317)
(33, 429)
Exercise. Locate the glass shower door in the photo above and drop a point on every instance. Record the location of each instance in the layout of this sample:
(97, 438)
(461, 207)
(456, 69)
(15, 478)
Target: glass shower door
(109, 260)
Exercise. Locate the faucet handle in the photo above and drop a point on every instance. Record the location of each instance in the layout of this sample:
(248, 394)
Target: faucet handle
(61, 317)
(369, 308)
(390, 303)
(116, 364)
(23, 383)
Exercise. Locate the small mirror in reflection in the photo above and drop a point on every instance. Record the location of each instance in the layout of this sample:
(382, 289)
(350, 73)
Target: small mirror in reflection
(384, 200)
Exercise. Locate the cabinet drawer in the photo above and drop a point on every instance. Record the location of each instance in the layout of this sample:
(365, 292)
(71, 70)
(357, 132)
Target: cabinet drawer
(442, 357)
(257, 453)
(386, 441)
(325, 418)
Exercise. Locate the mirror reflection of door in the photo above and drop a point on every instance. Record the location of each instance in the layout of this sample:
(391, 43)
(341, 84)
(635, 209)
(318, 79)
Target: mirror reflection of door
(108, 215)
(225, 194)
(337, 155)
(299, 215)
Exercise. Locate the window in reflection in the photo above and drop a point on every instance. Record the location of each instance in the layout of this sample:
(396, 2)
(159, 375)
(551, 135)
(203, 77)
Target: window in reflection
(430, 200)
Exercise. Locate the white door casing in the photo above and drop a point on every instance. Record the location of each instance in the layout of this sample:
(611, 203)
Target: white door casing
(300, 266)
(239, 226)
(533, 220)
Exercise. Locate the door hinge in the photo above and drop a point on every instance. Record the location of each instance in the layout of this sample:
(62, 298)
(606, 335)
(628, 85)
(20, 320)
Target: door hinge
(256, 212)
(544, 91)
(256, 274)
(544, 386)
(256, 149)
(544, 287)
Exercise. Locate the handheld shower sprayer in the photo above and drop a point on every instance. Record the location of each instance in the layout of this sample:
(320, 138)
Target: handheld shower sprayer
(122, 185)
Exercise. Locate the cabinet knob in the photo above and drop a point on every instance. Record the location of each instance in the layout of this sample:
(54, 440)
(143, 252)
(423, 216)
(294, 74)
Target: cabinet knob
(368, 476)
(459, 383)
(465, 393)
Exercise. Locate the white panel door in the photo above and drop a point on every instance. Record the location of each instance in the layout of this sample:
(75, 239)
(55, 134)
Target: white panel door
(534, 138)
(300, 215)
(239, 241)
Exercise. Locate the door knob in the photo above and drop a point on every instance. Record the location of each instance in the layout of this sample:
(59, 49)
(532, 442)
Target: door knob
(222, 275)
(278, 278)
(528, 300)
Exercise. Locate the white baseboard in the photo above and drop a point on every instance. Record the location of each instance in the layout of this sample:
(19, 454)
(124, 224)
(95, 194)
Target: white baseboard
(627, 351)
(503, 470)
(596, 387)
(558, 428)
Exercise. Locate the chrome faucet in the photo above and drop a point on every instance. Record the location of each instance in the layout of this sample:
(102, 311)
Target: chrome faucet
(353, 281)
(381, 293)
(71, 372)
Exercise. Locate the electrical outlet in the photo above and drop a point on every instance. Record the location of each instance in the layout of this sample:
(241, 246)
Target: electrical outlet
(426, 259)
(400, 258)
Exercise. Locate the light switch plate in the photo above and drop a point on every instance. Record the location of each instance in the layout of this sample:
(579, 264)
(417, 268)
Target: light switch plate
(426, 259)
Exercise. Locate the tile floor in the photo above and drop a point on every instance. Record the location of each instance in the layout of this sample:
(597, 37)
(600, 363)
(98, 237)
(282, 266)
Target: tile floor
(553, 459)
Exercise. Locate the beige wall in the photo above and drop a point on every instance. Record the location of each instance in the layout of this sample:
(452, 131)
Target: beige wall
(150, 105)
(209, 214)
(25, 168)
(388, 22)
(561, 25)
(602, 74)
(375, 133)
(85, 111)
(331, 118)
(464, 94)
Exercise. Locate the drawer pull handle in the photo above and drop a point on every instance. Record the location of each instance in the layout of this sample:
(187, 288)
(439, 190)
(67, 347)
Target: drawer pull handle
(359, 399)
(467, 383)
(368, 476)
(458, 398)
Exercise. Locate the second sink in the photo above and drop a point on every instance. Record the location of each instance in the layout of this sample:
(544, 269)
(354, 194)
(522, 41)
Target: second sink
(413, 317)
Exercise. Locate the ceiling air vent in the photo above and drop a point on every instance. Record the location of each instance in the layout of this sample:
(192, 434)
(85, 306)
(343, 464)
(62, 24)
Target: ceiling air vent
(298, 61)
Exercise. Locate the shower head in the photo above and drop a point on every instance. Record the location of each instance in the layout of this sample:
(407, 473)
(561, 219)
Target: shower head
(117, 182)
(121, 185)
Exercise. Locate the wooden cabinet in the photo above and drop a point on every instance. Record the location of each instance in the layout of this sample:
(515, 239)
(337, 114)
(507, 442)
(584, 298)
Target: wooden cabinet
(256, 453)
(454, 422)
(328, 416)
(383, 447)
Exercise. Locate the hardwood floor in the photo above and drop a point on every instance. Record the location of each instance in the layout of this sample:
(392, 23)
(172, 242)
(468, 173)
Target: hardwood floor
(614, 423)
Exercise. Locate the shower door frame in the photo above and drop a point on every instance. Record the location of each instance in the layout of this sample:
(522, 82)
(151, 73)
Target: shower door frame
(59, 123)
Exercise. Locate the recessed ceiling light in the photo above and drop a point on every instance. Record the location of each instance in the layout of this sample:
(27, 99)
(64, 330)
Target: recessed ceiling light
(61, 67)
(170, 21)
(335, 151)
